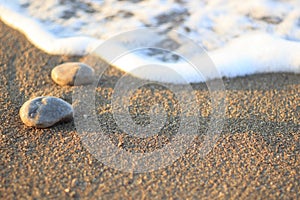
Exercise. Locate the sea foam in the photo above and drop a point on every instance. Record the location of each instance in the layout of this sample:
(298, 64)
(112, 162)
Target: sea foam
(240, 38)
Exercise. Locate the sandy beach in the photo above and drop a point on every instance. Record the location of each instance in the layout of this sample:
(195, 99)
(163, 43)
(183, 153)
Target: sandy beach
(257, 155)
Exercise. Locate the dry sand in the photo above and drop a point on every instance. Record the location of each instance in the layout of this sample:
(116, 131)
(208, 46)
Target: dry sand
(257, 156)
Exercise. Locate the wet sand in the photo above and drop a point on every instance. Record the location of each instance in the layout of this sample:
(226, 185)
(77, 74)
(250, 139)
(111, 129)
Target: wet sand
(257, 155)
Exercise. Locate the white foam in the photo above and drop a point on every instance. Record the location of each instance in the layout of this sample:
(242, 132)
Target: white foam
(35, 31)
(256, 36)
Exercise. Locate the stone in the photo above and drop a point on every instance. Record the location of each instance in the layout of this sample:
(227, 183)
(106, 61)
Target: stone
(43, 112)
(65, 74)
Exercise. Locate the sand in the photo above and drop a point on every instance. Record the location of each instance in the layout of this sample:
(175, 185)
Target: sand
(256, 156)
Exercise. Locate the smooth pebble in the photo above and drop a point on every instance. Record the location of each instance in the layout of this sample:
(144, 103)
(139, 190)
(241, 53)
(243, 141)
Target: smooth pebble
(43, 112)
(65, 74)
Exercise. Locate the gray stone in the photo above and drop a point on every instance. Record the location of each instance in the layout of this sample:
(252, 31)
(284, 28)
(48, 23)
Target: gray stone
(43, 112)
(65, 74)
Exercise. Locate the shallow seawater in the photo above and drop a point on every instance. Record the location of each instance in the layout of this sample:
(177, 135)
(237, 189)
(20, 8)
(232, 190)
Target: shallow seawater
(237, 36)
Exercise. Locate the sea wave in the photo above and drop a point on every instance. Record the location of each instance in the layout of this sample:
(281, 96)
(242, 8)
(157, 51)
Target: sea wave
(241, 38)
